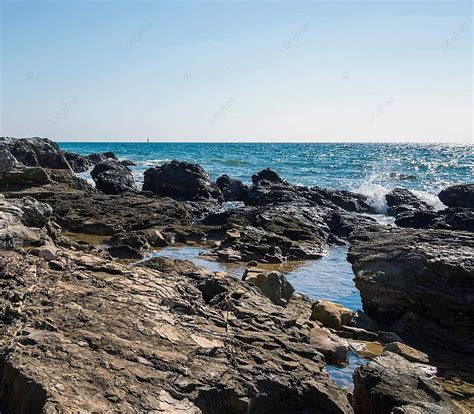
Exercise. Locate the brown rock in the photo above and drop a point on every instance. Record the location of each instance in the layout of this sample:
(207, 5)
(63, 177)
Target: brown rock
(332, 315)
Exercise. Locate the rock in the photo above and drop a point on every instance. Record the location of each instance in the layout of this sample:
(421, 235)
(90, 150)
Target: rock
(232, 189)
(34, 213)
(24, 177)
(124, 251)
(346, 200)
(47, 253)
(35, 152)
(361, 320)
(98, 158)
(268, 175)
(330, 314)
(401, 200)
(277, 288)
(13, 231)
(414, 282)
(78, 163)
(8, 161)
(461, 195)
(390, 382)
(111, 177)
(331, 346)
(402, 177)
(136, 239)
(127, 163)
(449, 219)
(181, 181)
(407, 352)
(182, 340)
(387, 337)
(156, 239)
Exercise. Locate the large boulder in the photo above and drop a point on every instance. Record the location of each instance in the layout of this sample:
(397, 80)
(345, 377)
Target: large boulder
(267, 175)
(392, 384)
(401, 200)
(34, 213)
(36, 152)
(461, 195)
(111, 177)
(232, 189)
(276, 288)
(99, 157)
(415, 282)
(454, 218)
(181, 181)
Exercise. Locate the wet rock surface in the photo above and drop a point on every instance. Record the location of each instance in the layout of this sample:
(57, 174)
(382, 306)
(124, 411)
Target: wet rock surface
(401, 201)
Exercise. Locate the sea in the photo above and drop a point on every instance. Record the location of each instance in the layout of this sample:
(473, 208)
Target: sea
(369, 169)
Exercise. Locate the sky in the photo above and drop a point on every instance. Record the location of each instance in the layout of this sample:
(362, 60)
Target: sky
(288, 71)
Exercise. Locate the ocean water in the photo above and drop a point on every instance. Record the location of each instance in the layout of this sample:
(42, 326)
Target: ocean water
(371, 169)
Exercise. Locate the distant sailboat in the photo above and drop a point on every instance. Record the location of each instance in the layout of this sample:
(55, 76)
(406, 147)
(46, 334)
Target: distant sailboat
(147, 140)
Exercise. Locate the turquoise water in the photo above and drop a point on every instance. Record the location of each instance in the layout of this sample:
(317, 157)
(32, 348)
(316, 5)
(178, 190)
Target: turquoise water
(366, 168)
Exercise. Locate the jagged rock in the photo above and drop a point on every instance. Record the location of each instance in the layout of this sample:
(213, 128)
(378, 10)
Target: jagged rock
(78, 163)
(401, 200)
(407, 352)
(97, 158)
(461, 195)
(330, 314)
(8, 161)
(268, 175)
(232, 189)
(390, 382)
(111, 177)
(276, 288)
(34, 213)
(35, 152)
(449, 219)
(13, 232)
(182, 181)
(180, 340)
(414, 282)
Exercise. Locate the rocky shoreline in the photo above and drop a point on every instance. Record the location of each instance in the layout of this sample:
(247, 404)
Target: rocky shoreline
(87, 325)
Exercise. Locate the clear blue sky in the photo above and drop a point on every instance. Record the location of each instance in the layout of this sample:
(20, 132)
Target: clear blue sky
(260, 70)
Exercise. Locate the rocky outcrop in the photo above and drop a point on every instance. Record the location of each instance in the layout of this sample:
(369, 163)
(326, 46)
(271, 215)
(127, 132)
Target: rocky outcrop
(99, 157)
(392, 384)
(270, 189)
(181, 340)
(448, 219)
(181, 181)
(35, 152)
(461, 195)
(111, 177)
(232, 189)
(78, 163)
(414, 282)
(401, 200)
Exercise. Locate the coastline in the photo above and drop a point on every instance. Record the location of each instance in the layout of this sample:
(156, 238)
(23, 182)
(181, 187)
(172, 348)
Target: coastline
(214, 342)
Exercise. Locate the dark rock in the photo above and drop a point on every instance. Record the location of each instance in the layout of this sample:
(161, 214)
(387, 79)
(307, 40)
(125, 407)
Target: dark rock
(78, 163)
(276, 288)
(401, 200)
(124, 251)
(402, 177)
(449, 219)
(136, 240)
(414, 282)
(390, 382)
(35, 152)
(346, 200)
(34, 213)
(24, 177)
(232, 189)
(361, 320)
(111, 177)
(461, 195)
(268, 175)
(127, 163)
(8, 161)
(182, 181)
(102, 157)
